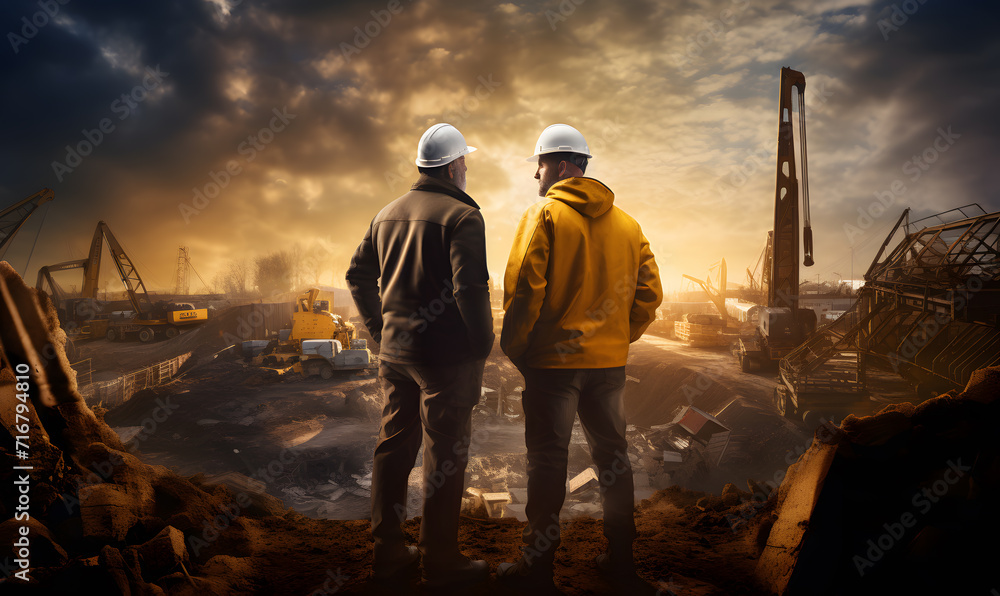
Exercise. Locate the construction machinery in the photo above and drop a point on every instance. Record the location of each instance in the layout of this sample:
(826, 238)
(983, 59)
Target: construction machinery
(13, 217)
(929, 311)
(83, 316)
(782, 325)
(318, 343)
(702, 330)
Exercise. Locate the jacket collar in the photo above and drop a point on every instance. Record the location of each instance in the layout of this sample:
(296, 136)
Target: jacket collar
(431, 184)
(588, 196)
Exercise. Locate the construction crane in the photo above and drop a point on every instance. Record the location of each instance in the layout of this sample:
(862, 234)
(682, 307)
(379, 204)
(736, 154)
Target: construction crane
(708, 330)
(13, 217)
(782, 325)
(80, 316)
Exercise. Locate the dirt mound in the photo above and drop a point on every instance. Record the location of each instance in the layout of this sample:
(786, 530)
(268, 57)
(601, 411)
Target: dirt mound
(895, 502)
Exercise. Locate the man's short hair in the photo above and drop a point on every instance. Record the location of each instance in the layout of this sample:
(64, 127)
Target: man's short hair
(439, 172)
(578, 159)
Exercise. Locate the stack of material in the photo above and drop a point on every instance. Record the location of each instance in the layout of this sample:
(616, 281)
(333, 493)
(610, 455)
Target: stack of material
(901, 501)
(99, 517)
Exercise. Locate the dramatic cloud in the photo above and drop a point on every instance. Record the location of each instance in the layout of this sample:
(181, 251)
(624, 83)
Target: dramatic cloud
(239, 128)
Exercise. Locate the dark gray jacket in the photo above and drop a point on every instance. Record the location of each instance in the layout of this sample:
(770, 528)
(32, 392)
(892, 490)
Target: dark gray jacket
(419, 277)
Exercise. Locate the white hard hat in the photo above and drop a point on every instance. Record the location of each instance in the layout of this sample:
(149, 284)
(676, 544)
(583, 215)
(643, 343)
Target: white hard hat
(558, 138)
(441, 145)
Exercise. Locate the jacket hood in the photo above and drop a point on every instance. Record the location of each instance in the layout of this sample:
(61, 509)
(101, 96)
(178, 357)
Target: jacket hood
(587, 195)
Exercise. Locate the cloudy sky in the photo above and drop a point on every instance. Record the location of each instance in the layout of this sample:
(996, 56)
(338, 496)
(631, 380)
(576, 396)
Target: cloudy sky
(240, 128)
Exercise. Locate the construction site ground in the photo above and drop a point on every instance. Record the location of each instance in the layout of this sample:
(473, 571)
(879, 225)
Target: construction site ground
(309, 442)
(287, 462)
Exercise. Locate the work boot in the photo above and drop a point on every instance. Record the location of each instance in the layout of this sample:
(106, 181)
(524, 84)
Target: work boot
(533, 576)
(399, 563)
(463, 571)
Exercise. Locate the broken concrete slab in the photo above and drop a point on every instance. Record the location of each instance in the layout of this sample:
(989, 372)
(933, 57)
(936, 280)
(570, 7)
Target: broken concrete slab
(586, 479)
(495, 503)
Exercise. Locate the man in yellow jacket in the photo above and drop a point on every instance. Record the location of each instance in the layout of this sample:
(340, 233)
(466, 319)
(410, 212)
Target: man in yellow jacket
(581, 285)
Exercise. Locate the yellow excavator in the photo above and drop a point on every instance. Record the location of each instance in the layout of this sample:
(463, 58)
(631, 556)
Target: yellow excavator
(318, 343)
(82, 317)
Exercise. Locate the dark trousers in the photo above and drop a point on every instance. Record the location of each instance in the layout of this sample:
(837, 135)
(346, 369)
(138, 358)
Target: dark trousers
(435, 404)
(551, 400)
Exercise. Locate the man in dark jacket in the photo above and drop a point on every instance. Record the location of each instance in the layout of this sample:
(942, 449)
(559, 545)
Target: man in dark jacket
(426, 251)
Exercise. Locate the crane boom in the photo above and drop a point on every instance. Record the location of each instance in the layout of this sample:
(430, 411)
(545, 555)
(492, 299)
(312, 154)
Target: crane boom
(13, 217)
(134, 285)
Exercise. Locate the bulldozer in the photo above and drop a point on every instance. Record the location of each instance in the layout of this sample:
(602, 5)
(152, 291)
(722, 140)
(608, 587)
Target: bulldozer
(318, 343)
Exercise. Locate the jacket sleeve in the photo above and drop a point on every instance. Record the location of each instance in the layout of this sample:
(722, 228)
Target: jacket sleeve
(470, 278)
(524, 283)
(362, 279)
(648, 293)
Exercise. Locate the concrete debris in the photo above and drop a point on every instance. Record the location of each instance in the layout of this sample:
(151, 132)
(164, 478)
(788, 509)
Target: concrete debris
(672, 457)
(495, 502)
(585, 480)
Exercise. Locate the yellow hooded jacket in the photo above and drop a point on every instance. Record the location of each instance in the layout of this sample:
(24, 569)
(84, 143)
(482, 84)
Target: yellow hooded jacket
(581, 283)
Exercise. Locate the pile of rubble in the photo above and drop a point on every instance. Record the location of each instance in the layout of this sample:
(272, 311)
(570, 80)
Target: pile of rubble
(80, 509)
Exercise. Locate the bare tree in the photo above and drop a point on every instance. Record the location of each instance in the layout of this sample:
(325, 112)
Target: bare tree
(274, 273)
(233, 280)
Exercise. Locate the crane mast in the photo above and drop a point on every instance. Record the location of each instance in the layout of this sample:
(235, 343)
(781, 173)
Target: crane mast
(783, 291)
(782, 325)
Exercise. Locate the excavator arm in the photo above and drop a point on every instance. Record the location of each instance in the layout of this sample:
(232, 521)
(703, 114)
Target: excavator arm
(45, 278)
(13, 217)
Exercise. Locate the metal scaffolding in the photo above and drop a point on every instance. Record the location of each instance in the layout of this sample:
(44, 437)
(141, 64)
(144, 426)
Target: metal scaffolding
(929, 310)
